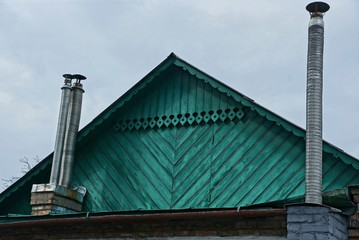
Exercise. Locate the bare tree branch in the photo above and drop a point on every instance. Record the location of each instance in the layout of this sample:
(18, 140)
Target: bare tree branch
(26, 165)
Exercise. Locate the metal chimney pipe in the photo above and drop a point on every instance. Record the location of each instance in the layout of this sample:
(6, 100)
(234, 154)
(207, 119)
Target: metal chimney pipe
(61, 128)
(314, 140)
(73, 122)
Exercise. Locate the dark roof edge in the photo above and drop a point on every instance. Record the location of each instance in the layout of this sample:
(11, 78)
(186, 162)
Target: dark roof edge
(103, 217)
(338, 198)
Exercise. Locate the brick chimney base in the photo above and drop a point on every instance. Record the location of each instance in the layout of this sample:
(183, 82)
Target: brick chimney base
(55, 199)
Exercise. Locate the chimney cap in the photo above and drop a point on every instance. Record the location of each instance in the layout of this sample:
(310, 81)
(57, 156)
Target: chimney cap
(68, 76)
(317, 7)
(79, 77)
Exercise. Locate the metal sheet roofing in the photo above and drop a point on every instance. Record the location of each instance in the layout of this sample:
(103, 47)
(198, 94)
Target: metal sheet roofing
(181, 139)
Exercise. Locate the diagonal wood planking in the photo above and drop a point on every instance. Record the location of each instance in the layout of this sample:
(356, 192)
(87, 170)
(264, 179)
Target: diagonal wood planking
(229, 163)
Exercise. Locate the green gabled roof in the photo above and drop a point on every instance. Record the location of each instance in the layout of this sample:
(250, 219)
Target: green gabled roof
(236, 153)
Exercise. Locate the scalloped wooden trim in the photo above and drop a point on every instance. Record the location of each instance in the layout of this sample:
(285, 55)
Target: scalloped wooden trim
(178, 120)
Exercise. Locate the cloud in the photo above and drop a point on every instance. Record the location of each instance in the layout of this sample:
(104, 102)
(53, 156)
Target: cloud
(257, 47)
(5, 99)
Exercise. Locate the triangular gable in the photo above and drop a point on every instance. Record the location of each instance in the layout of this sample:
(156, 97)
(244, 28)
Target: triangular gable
(250, 133)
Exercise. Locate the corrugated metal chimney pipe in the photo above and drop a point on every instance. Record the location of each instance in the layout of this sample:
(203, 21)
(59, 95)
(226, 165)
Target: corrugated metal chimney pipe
(313, 187)
(61, 128)
(73, 122)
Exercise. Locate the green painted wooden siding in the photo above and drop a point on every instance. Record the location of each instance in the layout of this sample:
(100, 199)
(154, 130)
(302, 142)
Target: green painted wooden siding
(209, 164)
(177, 93)
(236, 163)
(160, 167)
(181, 139)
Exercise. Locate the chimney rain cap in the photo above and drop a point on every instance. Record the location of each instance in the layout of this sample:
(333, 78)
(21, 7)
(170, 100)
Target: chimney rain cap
(79, 77)
(317, 7)
(68, 76)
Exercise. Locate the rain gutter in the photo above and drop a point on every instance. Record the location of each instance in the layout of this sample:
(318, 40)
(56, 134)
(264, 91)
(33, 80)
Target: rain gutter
(87, 218)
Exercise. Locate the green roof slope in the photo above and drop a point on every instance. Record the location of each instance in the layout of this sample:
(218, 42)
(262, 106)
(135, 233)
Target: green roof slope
(181, 139)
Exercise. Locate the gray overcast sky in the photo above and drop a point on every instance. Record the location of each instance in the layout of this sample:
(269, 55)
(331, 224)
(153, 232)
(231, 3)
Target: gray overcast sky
(257, 47)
